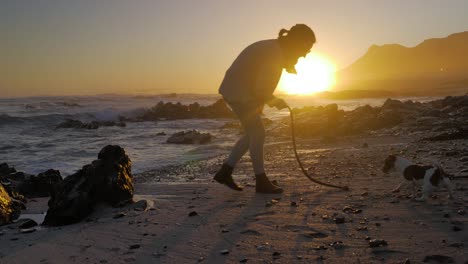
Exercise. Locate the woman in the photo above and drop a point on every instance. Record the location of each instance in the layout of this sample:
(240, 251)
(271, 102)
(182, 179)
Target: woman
(248, 85)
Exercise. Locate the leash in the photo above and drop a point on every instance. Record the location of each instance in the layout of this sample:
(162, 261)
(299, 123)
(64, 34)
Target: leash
(293, 135)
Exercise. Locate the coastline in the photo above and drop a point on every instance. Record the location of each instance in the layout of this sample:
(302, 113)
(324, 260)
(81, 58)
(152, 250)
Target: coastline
(299, 226)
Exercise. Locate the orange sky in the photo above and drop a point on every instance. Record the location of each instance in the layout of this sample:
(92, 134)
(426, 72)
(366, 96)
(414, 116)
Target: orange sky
(92, 47)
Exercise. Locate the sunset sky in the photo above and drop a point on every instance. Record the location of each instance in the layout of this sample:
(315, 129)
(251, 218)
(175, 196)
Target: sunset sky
(92, 47)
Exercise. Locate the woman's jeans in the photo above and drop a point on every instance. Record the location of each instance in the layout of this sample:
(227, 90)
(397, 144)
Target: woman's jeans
(249, 115)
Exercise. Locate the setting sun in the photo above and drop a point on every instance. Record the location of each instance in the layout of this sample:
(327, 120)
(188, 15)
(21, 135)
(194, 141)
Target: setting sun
(315, 73)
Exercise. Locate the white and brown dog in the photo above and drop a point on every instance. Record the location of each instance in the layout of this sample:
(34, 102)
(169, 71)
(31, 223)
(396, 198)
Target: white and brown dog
(431, 175)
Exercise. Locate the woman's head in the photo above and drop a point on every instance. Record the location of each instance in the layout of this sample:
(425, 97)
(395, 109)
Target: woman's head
(295, 42)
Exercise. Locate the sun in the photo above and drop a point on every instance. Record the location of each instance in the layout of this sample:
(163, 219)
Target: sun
(315, 73)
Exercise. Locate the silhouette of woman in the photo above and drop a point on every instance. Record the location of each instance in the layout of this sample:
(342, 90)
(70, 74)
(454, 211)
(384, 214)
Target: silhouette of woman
(248, 85)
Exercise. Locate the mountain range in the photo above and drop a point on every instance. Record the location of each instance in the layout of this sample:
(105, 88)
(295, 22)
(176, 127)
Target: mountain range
(437, 66)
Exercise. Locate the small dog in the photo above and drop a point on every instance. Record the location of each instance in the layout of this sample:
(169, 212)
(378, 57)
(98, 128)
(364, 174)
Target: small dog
(431, 176)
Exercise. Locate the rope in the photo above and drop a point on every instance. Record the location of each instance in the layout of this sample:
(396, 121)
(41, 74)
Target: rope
(293, 135)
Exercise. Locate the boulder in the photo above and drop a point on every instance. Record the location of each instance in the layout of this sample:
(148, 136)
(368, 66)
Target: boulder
(6, 170)
(10, 209)
(41, 185)
(189, 137)
(107, 179)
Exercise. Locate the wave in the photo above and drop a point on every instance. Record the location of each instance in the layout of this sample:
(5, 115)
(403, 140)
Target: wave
(47, 119)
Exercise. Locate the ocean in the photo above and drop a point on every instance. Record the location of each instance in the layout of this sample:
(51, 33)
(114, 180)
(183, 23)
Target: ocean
(30, 142)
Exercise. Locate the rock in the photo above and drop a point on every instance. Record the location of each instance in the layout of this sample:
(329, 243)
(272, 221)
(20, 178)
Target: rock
(337, 245)
(339, 220)
(315, 235)
(41, 185)
(107, 179)
(135, 246)
(27, 230)
(27, 223)
(10, 209)
(119, 215)
(71, 123)
(456, 228)
(377, 243)
(142, 205)
(189, 137)
(161, 134)
(348, 209)
(457, 245)
(243, 260)
(193, 213)
(224, 252)
(250, 232)
(6, 170)
(173, 111)
(438, 259)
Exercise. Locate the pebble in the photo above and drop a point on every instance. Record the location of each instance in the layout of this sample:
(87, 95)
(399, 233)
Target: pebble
(224, 252)
(294, 204)
(377, 242)
(438, 259)
(243, 260)
(119, 215)
(27, 230)
(193, 213)
(316, 235)
(135, 246)
(457, 245)
(321, 247)
(339, 220)
(337, 245)
(461, 212)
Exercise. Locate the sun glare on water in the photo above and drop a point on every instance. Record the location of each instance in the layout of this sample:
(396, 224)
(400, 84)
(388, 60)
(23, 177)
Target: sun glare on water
(315, 73)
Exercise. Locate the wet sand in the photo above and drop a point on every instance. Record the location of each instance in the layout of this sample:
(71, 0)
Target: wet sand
(195, 220)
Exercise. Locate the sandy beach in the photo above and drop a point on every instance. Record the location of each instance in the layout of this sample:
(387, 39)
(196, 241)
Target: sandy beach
(191, 219)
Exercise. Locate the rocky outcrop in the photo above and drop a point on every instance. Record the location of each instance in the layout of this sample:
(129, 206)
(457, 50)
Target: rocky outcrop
(189, 137)
(19, 184)
(173, 111)
(41, 185)
(449, 114)
(71, 123)
(107, 179)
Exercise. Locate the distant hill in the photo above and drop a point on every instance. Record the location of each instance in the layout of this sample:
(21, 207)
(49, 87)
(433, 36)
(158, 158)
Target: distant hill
(435, 66)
